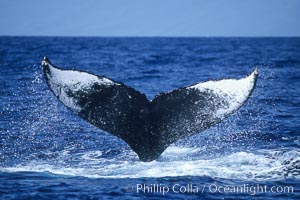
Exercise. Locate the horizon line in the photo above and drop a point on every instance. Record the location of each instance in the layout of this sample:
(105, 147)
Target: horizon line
(156, 36)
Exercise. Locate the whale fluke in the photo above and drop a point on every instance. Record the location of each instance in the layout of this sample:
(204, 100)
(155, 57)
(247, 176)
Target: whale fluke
(148, 127)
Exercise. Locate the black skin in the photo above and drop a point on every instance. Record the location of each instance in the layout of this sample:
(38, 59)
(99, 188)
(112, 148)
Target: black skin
(148, 127)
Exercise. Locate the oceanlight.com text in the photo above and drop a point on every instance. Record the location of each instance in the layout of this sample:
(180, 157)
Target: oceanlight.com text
(157, 188)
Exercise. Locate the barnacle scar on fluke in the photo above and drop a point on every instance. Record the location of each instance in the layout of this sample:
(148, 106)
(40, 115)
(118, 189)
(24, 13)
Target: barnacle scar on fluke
(148, 126)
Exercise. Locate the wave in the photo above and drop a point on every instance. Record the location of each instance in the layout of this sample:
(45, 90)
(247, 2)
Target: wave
(174, 162)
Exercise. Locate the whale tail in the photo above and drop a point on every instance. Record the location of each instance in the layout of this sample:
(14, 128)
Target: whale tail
(148, 127)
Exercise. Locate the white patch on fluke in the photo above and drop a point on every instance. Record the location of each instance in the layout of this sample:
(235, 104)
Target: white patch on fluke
(232, 91)
(62, 81)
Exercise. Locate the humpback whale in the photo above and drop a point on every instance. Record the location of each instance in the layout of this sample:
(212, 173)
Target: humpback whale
(147, 126)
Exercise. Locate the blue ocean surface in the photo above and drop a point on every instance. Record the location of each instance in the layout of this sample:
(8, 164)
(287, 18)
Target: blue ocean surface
(48, 152)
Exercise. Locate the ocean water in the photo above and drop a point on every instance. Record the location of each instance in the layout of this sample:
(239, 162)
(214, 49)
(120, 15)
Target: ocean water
(48, 152)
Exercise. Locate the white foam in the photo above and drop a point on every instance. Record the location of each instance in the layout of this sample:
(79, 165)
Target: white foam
(263, 165)
(232, 91)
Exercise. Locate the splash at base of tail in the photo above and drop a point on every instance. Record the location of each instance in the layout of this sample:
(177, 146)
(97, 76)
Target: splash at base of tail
(148, 127)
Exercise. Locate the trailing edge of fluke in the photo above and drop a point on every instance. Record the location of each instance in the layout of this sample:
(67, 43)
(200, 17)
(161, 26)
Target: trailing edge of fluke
(148, 126)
